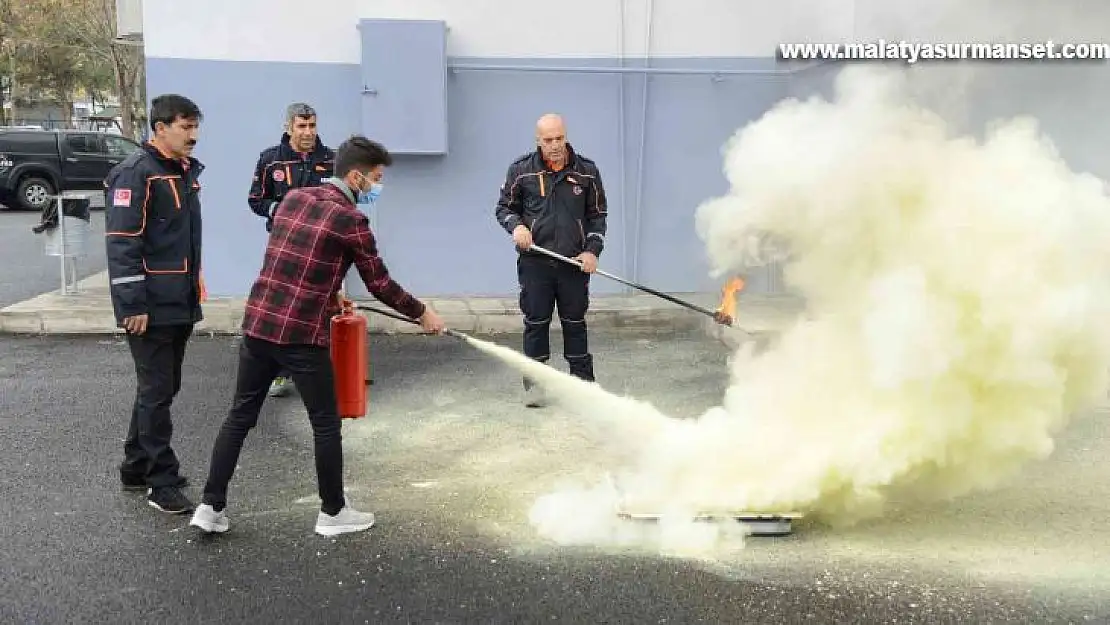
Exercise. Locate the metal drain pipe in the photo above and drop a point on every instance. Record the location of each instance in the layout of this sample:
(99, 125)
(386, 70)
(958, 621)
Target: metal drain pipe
(615, 69)
(643, 141)
(622, 141)
(627, 70)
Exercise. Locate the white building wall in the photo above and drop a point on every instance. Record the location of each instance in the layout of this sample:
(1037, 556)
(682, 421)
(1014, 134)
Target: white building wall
(254, 30)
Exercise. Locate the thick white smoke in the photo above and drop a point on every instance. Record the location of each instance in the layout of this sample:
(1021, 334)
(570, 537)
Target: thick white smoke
(958, 299)
(957, 294)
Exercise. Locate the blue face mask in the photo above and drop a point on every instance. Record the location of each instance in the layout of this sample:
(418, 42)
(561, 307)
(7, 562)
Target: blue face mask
(370, 196)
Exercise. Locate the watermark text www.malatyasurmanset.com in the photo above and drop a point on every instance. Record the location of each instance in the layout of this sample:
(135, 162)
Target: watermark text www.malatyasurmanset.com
(913, 51)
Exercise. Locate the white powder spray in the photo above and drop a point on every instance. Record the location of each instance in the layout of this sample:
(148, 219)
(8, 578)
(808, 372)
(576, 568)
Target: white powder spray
(958, 300)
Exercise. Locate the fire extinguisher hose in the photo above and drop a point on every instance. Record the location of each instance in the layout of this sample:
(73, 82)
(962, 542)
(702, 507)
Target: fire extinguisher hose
(387, 313)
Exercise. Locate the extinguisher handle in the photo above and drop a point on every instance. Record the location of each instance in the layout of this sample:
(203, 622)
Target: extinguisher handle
(346, 307)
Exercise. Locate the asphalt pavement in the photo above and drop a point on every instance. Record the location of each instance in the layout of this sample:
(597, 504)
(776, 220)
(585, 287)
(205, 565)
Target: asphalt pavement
(79, 550)
(25, 269)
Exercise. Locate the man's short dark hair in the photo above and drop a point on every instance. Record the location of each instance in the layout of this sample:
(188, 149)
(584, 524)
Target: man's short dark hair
(358, 152)
(171, 107)
(298, 109)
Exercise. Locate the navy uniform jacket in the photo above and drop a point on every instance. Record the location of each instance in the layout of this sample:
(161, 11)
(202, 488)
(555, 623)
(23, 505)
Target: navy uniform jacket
(565, 210)
(153, 237)
(281, 168)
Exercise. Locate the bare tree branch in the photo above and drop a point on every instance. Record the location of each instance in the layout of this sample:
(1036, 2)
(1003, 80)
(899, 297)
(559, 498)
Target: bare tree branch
(89, 26)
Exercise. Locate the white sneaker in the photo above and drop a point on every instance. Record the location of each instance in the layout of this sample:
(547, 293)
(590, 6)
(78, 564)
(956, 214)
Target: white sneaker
(280, 387)
(207, 519)
(345, 521)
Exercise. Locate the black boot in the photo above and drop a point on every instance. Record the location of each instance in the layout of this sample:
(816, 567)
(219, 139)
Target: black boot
(582, 367)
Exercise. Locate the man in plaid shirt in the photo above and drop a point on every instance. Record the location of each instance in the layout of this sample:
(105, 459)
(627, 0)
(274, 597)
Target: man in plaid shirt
(300, 159)
(318, 232)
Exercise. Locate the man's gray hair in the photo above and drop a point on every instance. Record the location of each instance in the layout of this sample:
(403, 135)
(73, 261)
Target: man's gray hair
(298, 109)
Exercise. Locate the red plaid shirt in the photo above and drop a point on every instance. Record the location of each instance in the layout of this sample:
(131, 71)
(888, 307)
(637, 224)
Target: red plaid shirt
(318, 233)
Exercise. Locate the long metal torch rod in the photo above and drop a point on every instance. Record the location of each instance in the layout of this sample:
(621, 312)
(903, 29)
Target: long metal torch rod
(669, 298)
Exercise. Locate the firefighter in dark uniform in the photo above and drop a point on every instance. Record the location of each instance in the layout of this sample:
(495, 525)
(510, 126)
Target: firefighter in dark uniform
(554, 197)
(153, 245)
(300, 159)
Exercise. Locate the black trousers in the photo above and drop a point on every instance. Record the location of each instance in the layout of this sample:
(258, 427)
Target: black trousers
(158, 354)
(547, 284)
(311, 370)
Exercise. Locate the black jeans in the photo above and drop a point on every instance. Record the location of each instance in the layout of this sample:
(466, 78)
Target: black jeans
(310, 367)
(546, 283)
(158, 354)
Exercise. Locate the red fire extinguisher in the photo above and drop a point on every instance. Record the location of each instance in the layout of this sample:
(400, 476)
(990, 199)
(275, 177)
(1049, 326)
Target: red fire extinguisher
(349, 362)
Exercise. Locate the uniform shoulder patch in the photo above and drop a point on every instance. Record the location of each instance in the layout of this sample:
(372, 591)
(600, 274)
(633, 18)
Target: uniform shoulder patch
(121, 197)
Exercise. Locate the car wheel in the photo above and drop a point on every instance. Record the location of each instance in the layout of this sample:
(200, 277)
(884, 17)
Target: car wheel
(34, 194)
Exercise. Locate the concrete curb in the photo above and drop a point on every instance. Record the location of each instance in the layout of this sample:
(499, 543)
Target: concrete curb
(89, 311)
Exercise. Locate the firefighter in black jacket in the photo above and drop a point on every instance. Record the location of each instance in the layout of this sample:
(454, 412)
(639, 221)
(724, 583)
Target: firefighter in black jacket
(554, 197)
(300, 160)
(153, 245)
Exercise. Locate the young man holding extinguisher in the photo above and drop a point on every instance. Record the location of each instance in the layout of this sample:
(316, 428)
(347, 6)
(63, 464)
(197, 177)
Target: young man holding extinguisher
(318, 233)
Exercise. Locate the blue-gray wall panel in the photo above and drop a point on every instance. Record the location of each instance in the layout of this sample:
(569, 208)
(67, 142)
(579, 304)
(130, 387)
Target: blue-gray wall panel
(435, 220)
(687, 124)
(404, 80)
(243, 105)
(437, 223)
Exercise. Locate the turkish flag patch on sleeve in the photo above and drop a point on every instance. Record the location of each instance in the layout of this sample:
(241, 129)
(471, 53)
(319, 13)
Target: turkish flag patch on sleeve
(122, 197)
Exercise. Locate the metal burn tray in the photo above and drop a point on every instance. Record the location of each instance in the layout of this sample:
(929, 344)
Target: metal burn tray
(755, 524)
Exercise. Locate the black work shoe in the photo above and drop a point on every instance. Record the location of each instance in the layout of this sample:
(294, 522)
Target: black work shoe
(169, 499)
(131, 482)
(582, 367)
(535, 398)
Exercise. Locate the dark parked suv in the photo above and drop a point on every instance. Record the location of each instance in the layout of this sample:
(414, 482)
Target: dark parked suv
(36, 164)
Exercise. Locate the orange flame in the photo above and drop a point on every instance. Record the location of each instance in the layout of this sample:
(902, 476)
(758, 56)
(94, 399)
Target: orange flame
(728, 297)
